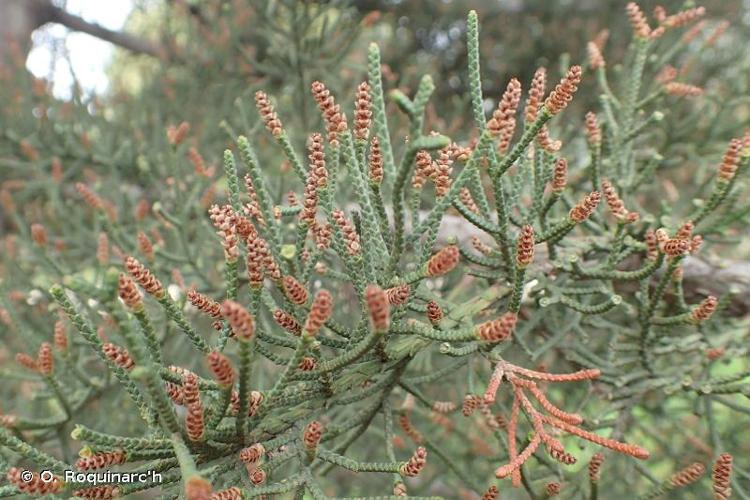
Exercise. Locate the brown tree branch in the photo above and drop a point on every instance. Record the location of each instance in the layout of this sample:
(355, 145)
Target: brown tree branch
(45, 12)
(702, 275)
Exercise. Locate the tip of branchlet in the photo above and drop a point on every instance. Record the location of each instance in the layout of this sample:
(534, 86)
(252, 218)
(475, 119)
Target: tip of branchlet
(378, 307)
(443, 261)
(241, 321)
(320, 311)
(415, 464)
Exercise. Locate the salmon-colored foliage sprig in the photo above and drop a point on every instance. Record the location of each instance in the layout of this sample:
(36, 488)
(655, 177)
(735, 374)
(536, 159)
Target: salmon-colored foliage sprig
(557, 418)
(400, 251)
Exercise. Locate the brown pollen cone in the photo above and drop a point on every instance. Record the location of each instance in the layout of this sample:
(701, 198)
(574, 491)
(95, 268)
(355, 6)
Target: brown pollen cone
(221, 368)
(294, 290)
(563, 93)
(119, 356)
(585, 207)
(144, 277)
(312, 434)
(129, 292)
(443, 261)
(241, 321)
(379, 307)
(434, 312)
(497, 330)
(398, 295)
(44, 359)
(415, 464)
(287, 322)
(525, 247)
(362, 112)
(320, 311)
(267, 113)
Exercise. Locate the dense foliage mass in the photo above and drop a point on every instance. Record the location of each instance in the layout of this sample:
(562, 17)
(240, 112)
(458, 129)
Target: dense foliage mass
(496, 310)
